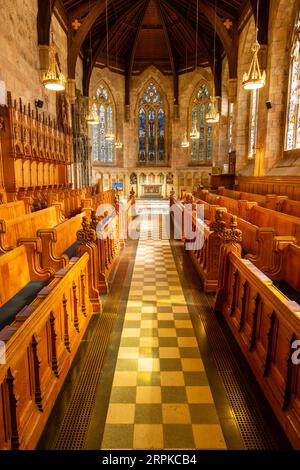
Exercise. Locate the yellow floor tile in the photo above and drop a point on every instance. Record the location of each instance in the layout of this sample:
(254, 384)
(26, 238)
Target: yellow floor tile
(148, 364)
(169, 353)
(199, 395)
(148, 394)
(208, 436)
(128, 353)
(131, 332)
(176, 413)
(148, 436)
(187, 342)
(149, 324)
(149, 342)
(125, 379)
(167, 332)
(183, 324)
(120, 413)
(190, 365)
(171, 378)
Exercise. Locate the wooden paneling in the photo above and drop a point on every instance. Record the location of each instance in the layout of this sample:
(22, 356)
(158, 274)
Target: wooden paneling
(280, 185)
(265, 324)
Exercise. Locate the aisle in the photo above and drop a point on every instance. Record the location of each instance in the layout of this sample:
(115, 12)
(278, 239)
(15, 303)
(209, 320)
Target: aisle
(160, 398)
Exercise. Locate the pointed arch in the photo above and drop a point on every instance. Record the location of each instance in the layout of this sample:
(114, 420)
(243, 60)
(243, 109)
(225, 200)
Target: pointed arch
(202, 148)
(104, 107)
(152, 112)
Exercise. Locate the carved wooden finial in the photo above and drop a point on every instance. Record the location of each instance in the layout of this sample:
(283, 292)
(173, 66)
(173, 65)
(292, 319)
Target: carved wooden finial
(218, 225)
(232, 234)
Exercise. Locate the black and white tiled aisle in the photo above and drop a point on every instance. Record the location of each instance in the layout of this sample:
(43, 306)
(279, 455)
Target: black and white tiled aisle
(160, 397)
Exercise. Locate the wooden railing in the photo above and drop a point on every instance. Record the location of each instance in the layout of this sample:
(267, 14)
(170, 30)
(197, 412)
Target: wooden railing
(265, 324)
(40, 346)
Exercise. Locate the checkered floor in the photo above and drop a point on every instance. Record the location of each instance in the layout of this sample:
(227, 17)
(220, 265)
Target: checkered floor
(160, 398)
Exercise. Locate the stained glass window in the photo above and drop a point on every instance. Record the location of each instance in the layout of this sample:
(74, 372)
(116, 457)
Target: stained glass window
(253, 123)
(152, 125)
(293, 116)
(230, 127)
(201, 149)
(103, 149)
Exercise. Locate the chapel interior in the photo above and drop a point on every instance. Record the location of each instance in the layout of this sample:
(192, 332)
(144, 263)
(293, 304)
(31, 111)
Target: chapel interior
(150, 225)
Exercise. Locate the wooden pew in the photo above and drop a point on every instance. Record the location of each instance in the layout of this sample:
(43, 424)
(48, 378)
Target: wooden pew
(40, 346)
(18, 275)
(12, 210)
(282, 224)
(265, 324)
(26, 226)
(57, 241)
(281, 185)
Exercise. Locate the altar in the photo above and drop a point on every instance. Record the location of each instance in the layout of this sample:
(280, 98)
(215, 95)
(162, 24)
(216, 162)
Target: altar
(151, 190)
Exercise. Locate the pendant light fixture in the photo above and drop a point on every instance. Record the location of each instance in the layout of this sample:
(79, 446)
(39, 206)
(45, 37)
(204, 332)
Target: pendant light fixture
(92, 118)
(54, 79)
(213, 117)
(118, 143)
(255, 79)
(195, 134)
(109, 135)
(185, 142)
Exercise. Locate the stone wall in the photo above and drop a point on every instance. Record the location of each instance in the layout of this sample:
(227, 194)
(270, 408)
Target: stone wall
(185, 177)
(19, 54)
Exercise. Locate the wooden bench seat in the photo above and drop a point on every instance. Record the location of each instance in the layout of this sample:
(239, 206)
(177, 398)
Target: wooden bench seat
(26, 226)
(12, 210)
(18, 287)
(40, 345)
(265, 324)
(59, 243)
(282, 224)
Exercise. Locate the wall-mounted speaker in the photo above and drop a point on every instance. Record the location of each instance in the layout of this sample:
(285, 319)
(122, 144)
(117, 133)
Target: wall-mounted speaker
(269, 104)
(39, 103)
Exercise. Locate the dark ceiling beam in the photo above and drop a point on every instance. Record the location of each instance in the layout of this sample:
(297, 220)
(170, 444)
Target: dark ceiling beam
(45, 11)
(63, 16)
(102, 43)
(129, 66)
(202, 48)
(263, 19)
(76, 40)
(81, 10)
(229, 47)
(173, 59)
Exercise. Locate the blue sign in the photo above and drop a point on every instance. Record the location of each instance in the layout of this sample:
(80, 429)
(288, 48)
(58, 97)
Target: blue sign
(117, 185)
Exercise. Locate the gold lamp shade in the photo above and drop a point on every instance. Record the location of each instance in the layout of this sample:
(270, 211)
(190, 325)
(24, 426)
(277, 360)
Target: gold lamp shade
(254, 79)
(54, 79)
(212, 117)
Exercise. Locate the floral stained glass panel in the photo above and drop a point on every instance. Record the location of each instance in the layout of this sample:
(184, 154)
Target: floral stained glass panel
(142, 135)
(102, 133)
(151, 135)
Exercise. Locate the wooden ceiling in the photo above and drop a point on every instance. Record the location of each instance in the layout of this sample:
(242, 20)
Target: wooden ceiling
(158, 32)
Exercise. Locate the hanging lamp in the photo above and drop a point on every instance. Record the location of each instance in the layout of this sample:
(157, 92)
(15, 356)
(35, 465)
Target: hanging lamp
(118, 143)
(195, 134)
(213, 117)
(185, 143)
(54, 79)
(254, 79)
(109, 135)
(92, 118)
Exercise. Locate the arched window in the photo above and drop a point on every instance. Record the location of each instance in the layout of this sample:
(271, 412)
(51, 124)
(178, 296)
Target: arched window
(293, 116)
(152, 126)
(254, 96)
(201, 148)
(103, 146)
